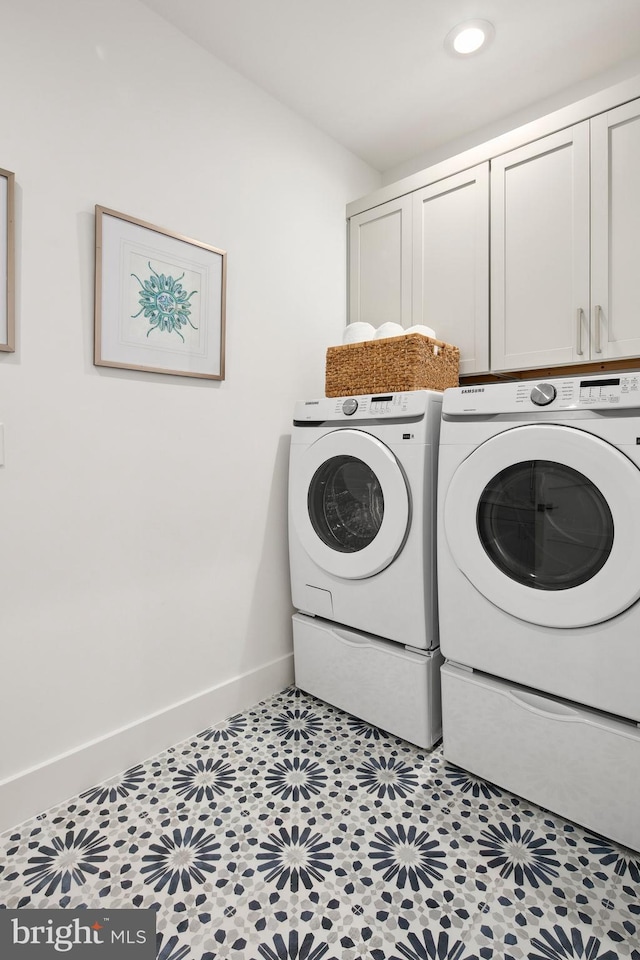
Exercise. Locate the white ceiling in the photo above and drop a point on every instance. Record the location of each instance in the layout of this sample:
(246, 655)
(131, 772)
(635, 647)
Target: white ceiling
(374, 74)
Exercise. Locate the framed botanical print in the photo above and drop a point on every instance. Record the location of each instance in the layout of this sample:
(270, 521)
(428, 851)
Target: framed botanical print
(160, 299)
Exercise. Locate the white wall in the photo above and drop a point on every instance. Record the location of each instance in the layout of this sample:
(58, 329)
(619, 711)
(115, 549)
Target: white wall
(143, 555)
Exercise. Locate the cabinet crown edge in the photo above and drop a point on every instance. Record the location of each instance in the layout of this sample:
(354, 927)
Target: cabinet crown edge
(567, 116)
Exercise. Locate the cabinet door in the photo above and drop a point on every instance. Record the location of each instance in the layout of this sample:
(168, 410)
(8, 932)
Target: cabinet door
(451, 263)
(540, 252)
(380, 264)
(615, 233)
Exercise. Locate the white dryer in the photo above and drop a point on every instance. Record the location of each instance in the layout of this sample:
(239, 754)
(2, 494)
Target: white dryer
(539, 581)
(362, 504)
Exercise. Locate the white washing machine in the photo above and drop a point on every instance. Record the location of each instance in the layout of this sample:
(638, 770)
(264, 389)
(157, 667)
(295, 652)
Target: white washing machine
(362, 503)
(539, 580)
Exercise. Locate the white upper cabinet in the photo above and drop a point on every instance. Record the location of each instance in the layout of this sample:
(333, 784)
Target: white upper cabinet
(425, 259)
(380, 264)
(615, 233)
(565, 228)
(540, 252)
(523, 251)
(451, 263)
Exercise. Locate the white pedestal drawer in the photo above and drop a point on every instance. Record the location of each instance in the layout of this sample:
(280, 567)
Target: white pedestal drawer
(572, 760)
(373, 679)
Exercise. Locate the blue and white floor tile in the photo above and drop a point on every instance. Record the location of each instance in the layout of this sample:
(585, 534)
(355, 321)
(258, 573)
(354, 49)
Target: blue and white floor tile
(296, 832)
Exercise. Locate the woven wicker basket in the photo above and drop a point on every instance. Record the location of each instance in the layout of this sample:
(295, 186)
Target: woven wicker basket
(392, 365)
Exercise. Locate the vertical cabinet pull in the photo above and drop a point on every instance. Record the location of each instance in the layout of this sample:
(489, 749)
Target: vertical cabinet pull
(579, 349)
(598, 322)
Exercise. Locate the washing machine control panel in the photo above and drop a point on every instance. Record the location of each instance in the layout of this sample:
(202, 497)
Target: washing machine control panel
(542, 394)
(375, 406)
(593, 392)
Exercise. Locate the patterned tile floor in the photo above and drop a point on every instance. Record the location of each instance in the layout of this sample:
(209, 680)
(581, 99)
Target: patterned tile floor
(295, 832)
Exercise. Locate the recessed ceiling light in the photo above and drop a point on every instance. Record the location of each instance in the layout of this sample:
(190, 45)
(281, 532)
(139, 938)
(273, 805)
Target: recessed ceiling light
(469, 37)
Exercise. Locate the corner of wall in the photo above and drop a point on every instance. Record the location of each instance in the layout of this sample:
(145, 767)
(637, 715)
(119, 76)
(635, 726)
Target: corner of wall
(41, 787)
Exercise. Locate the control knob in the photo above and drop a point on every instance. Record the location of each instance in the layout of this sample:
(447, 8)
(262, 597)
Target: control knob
(542, 394)
(349, 407)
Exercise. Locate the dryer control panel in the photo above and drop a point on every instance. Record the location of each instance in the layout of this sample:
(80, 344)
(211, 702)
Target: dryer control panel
(550, 395)
(383, 406)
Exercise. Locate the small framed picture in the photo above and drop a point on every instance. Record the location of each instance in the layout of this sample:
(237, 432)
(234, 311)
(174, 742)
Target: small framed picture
(160, 299)
(7, 261)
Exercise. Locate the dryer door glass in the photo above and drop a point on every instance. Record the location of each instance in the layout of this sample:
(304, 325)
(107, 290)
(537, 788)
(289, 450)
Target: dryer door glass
(346, 505)
(545, 525)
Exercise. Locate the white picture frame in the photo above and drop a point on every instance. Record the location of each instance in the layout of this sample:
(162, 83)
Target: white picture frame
(160, 299)
(7, 261)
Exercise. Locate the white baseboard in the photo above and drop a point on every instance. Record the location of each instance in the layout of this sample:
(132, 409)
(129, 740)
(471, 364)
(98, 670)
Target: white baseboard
(35, 790)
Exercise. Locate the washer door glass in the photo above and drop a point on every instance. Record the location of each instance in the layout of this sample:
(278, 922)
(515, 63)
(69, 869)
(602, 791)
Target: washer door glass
(350, 504)
(545, 524)
(543, 520)
(346, 504)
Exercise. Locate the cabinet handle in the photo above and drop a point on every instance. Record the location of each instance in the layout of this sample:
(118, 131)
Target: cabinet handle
(579, 349)
(598, 321)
